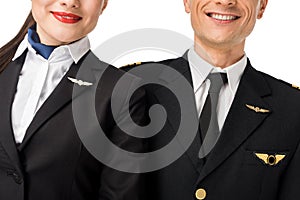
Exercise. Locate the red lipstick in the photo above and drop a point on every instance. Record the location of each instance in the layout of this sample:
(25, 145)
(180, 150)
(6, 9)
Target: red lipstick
(67, 18)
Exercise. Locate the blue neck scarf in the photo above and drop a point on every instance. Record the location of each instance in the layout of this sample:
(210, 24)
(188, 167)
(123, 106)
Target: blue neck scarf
(34, 40)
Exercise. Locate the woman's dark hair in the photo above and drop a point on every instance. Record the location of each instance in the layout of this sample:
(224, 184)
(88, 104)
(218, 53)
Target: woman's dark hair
(8, 51)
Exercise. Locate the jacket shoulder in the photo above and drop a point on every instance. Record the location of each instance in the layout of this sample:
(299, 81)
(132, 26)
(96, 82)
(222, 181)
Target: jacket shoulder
(281, 85)
(285, 97)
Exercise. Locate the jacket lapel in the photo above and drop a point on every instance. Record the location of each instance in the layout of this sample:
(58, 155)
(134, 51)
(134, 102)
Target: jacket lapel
(173, 80)
(241, 121)
(182, 66)
(63, 93)
(8, 84)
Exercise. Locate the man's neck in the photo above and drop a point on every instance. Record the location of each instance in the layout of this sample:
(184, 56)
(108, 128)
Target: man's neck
(218, 56)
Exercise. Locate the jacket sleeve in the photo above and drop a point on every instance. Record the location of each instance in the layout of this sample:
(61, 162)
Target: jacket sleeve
(119, 185)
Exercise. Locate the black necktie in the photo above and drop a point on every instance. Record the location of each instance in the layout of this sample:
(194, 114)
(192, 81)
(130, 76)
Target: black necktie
(209, 126)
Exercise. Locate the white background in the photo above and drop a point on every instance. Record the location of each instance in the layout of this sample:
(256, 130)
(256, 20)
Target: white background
(273, 47)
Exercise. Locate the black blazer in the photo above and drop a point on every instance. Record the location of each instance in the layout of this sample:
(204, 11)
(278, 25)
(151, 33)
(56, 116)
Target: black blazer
(234, 169)
(52, 163)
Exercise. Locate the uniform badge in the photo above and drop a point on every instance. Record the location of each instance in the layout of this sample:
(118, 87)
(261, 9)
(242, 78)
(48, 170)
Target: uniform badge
(257, 109)
(80, 82)
(270, 159)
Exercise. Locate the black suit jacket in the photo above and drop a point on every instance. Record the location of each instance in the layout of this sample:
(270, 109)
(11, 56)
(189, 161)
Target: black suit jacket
(52, 163)
(233, 170)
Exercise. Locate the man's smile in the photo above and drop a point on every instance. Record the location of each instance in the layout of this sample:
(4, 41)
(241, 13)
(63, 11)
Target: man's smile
(223, 17)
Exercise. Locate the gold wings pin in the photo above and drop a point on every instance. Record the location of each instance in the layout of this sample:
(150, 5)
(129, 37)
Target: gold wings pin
(80, 82)
(270, 159)
(257, 109)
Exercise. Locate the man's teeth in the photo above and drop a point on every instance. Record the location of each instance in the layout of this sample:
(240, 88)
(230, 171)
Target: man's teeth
(223, 17)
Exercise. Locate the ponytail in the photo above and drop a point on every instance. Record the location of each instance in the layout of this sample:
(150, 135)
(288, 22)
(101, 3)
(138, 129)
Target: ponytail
(8, 51)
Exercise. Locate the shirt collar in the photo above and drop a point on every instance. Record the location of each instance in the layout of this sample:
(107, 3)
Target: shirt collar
(235, 72)
(200, 70)
(21, 48)
(76, 49)
(79, 48)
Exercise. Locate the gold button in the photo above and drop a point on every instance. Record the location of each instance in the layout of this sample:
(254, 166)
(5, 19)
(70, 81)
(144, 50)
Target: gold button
(200, 194)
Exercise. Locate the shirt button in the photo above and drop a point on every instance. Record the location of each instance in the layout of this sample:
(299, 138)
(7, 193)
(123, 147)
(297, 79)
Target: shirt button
(200, 194)
(17, 178)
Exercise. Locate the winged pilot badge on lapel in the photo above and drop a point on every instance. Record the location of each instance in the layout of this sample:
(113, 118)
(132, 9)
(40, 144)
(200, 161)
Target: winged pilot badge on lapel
(272, 159)
(80, 82)
(257, 109)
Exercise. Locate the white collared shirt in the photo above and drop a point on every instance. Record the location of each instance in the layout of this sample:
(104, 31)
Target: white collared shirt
(38, 79)
(200, 70)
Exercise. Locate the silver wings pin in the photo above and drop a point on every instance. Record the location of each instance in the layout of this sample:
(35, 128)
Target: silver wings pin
(80, 82)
